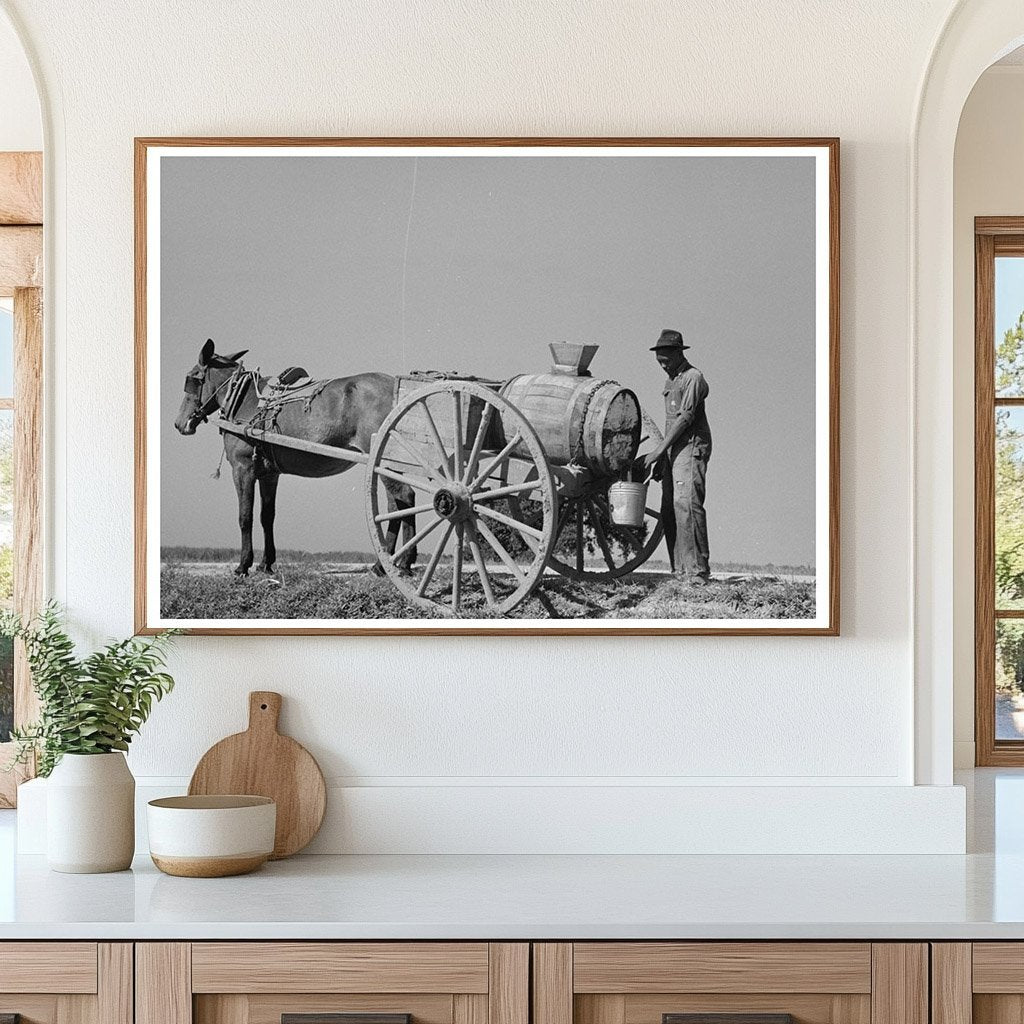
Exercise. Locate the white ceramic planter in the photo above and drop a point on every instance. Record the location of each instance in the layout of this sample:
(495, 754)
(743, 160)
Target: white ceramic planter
(90, 814)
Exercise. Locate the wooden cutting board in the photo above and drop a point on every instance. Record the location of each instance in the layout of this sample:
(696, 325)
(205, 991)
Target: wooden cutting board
(262, 762)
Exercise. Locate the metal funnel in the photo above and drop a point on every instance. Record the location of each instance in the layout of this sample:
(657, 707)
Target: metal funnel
(572, 359)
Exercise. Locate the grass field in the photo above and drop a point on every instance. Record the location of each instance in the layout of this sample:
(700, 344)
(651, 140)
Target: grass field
(330, 590)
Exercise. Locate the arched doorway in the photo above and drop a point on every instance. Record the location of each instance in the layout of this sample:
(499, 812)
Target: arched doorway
(976, 34)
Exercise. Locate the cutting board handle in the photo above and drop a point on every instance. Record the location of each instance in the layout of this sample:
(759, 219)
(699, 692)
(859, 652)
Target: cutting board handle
(264, 710)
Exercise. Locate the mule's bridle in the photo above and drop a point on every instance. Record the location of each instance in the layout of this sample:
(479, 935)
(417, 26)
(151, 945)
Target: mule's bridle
(194, 384)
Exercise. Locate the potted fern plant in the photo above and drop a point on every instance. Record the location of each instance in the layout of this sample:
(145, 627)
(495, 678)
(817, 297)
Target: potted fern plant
(90, 707)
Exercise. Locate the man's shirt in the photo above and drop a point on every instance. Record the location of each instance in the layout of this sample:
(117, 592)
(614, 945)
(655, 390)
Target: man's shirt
(684, 399)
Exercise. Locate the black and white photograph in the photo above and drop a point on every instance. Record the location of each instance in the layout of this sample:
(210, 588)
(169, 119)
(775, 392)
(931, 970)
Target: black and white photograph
(463, 386)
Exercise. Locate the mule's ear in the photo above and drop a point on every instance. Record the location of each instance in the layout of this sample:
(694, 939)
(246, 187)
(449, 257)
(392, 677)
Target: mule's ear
(234, 358)
(206, 353)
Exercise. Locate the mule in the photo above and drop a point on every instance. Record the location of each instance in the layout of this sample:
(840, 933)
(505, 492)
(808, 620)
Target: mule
(344, 412)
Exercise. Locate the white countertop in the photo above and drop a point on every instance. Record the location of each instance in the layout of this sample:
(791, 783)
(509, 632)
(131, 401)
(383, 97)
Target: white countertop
(516, 897)
(977, 896)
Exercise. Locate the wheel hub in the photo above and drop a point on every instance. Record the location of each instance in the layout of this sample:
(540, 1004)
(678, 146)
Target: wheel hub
(453, 502)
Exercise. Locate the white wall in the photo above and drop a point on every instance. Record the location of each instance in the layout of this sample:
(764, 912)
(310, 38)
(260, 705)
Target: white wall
(988, 180)
(21, 127)
(431, 716)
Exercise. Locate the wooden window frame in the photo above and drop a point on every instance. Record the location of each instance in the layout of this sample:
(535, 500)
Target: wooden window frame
(21, 278)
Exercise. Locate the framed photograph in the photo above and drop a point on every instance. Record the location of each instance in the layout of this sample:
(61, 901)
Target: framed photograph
(443, 386)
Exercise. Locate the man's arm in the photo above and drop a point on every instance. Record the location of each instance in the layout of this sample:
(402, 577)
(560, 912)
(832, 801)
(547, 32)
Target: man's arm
(694, 390)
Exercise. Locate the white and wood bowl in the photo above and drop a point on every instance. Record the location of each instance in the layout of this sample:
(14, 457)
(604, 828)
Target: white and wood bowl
(211, 836)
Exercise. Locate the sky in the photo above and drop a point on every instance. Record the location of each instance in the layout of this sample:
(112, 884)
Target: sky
(475, 263)
(1009, 293)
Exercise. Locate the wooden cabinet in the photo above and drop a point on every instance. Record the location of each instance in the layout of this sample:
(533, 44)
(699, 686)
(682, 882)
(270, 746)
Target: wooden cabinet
(264, 982)
(66, 982)
(980, 982)
(753, 982)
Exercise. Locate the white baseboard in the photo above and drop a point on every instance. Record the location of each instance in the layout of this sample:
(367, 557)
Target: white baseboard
(526, 819)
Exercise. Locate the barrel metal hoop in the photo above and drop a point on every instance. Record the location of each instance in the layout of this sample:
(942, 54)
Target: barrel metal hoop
(579, 442)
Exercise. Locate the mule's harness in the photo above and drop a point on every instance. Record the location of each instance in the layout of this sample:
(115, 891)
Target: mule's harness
(194, 384)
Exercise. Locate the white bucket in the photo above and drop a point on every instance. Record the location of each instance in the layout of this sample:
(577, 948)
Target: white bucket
(627, 501)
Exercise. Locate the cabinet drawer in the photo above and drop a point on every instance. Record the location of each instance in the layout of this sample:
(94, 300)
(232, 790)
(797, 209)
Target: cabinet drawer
(66, 982)
(332, 983)
(730, 983)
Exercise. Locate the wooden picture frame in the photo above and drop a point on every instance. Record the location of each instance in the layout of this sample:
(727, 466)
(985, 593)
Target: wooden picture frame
(825, 563)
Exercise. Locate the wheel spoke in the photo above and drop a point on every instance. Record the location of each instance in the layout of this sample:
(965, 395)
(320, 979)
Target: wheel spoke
(478, 559)
(431, 471)
(602, 539)
(416, 538)
(428, 573)
(478, 443)
(529, 532)
(457, 568)
(495, 462)
(502, 492)
(499, 549)
(402, 513)
(413, 481)
(457, 403)
(438, 443)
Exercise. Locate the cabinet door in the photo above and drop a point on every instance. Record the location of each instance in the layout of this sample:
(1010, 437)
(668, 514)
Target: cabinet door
(332, 983)
(66, 983)
(730, 983)
(979, 982)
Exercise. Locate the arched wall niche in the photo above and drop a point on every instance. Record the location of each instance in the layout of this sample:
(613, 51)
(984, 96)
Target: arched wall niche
(976, 33)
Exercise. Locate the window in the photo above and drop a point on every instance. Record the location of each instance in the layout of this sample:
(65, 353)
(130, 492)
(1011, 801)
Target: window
(999, 490)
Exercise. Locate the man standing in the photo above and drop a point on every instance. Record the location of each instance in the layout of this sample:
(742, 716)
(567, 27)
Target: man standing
(682, 459)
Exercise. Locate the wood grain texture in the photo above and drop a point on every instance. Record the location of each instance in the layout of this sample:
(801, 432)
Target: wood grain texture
(633, 967)
(998, 1009)
(951, 983)
(225, 1009)
(805, 1008)
(508, 993)
(262, 762)
(899, 990)
(115, 995)
(163, 983)
(552, 983)
(999, 225)
(269, 1008)
(31, 1009)
(467, 1009)
(21, 258)
(998, 967)
(831, 563)
(603, 1009)
(304, 967)
(65, 967)
(21, 188)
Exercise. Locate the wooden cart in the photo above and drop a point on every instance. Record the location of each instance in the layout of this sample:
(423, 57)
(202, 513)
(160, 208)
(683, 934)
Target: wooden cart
(510, 481)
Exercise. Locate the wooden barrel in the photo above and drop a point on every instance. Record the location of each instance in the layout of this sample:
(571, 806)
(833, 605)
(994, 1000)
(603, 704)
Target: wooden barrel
(580, 420)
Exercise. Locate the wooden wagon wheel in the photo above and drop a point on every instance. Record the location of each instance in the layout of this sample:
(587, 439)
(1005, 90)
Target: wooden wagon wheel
(586, 518)
(435, 442)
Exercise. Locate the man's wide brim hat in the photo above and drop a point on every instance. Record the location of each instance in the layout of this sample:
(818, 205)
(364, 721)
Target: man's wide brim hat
(670, 339)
